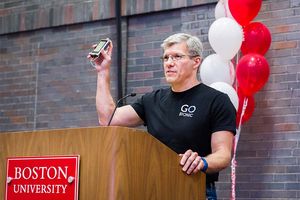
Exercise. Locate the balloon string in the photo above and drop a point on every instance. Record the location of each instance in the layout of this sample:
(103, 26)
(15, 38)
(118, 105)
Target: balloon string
(236, 63)
(236, 140)
(233, 175)
(245, 103)
(224, 4)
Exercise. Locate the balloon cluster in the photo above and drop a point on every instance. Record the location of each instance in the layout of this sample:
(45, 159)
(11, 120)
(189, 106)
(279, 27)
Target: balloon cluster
(231, 32)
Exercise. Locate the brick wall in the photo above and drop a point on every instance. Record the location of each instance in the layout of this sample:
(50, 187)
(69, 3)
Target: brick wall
(18, 15)
(268, 162)
(46, 82)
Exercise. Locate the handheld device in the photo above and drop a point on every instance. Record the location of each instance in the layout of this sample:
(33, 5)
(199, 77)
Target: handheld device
(103, 44)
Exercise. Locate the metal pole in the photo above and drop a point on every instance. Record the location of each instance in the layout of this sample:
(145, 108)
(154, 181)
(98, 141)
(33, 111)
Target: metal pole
(119, 47)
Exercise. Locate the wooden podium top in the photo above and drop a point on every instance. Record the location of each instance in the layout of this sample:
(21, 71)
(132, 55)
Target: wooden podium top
(115, 162)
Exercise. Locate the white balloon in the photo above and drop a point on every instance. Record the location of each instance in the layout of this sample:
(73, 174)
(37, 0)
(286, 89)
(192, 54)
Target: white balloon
(225, 37)
(222, 9)
(216, 69)
(229, 90)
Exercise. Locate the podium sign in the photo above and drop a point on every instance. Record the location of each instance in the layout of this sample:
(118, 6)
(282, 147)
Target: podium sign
(116, 163)
(47, 178)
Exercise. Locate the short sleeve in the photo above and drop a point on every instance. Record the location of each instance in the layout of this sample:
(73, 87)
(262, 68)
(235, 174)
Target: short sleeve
(223, 114)
(139, 108)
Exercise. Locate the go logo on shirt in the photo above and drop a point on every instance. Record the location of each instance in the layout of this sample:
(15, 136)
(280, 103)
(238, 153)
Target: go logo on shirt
(187, 111)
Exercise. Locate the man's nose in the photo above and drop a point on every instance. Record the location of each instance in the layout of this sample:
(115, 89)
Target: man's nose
(169, 63)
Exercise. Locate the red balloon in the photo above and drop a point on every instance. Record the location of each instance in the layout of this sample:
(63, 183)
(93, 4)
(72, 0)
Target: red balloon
(252, 72)
(249, 108)
(243, 11)
(257, 39)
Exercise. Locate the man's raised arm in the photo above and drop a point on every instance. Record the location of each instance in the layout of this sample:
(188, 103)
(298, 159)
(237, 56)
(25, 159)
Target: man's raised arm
(125, 115)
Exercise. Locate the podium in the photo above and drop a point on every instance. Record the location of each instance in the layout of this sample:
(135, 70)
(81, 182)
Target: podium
(116, 163)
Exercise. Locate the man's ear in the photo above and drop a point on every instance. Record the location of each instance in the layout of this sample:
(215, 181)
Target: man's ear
(198, 61)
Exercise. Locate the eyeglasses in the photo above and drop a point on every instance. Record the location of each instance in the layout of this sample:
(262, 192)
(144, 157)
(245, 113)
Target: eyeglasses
(175, 57)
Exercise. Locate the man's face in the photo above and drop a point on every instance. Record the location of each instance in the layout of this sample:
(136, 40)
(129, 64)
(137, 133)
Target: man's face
(178, 65)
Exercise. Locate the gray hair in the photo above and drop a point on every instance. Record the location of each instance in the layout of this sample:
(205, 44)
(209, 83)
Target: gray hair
(193, 43)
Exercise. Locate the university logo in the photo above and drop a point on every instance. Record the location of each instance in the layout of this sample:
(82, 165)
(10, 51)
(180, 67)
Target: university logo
(187, 111)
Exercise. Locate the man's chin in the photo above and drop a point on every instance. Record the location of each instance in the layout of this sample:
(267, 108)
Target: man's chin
(170, 80)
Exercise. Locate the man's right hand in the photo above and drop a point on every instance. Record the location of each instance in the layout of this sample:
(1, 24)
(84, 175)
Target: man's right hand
(103, 62)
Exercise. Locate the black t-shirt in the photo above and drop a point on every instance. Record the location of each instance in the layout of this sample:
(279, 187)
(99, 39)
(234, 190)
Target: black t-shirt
(186, 120)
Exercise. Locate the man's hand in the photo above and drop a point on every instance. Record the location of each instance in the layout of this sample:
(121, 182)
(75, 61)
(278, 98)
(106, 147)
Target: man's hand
(104, 60)
(191, 162)
(219, 159)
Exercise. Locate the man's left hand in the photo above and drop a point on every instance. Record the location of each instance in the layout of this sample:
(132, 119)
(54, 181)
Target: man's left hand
(191, 162)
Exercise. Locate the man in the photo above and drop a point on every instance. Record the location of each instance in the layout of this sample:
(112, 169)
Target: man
(191, 118)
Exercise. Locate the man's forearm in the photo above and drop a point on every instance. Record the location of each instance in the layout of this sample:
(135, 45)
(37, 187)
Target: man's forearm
(104, 101)
(218, 161)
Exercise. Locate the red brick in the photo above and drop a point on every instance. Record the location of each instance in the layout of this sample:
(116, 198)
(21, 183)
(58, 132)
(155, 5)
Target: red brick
(68, 14)
(17, 119)
(142, 90)
(284, 45)
(163, 29)
(140, 75)
(284, 28)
